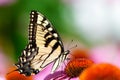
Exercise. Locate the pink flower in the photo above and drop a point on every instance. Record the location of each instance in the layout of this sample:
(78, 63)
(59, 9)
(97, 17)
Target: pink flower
(106, 54)
(59, 74)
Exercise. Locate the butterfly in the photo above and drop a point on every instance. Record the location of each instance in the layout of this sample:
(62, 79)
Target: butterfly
(45, 46)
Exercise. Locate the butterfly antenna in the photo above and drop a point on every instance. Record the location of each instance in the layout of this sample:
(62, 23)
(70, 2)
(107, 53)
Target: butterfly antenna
(68, 58)
(73, 47)
(68, 46)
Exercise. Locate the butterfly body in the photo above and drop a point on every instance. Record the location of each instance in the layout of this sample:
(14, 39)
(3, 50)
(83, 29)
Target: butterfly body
(45, 46)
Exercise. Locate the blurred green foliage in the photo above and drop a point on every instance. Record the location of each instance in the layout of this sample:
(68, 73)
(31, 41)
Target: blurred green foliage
(14, 20)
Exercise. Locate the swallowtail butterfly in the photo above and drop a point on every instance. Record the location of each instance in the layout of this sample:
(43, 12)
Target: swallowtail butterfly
(45, 46)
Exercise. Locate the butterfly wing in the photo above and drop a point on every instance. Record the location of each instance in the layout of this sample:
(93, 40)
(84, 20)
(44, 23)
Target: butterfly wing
(44, 46)
(47, 40)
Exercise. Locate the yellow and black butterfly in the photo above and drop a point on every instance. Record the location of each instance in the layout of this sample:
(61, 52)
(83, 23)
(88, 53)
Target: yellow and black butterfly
(45, 46)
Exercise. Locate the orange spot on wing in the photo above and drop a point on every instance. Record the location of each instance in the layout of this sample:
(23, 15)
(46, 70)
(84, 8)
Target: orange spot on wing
(15, 75)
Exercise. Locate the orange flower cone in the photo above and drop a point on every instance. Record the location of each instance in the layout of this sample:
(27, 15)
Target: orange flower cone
(76, 66)
(79, 53)
(101, 72)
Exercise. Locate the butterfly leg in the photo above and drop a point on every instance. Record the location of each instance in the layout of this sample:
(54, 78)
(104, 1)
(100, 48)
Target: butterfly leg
(58, 61)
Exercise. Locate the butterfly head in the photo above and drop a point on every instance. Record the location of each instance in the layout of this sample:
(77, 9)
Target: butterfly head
(67, 52)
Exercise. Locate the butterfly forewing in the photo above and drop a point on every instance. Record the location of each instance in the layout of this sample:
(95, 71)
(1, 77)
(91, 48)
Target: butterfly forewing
(45, 46)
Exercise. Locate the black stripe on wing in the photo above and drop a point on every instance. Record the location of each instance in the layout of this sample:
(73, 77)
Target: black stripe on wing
(56, 45)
